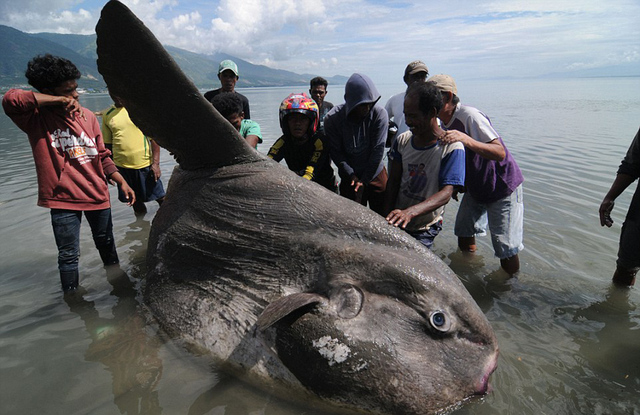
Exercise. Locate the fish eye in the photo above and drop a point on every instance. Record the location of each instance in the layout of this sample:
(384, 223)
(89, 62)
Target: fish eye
(439, 321)
(348, 300)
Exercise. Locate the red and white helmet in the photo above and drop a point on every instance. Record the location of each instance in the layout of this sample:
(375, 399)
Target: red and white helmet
(303, 104)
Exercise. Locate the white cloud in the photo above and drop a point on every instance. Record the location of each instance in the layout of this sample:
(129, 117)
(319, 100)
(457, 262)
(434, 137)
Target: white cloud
(466, 38)
(186, 21)
(46, 16)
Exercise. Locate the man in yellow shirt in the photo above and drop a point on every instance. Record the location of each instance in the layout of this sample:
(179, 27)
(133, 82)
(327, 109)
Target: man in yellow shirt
(136, 156)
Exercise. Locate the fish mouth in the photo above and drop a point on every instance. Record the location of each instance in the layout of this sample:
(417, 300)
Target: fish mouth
(483, 386)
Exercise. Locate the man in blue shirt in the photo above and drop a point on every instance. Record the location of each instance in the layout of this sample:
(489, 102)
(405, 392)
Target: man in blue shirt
(424, 172)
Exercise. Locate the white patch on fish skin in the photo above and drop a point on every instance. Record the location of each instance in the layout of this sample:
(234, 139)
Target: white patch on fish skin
(362, 365)
(332, 349)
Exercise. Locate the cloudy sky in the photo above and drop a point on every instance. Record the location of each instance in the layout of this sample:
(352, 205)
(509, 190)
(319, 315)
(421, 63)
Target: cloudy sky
(465, 38)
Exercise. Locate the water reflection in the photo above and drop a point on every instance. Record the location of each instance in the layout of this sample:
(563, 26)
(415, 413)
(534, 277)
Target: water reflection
(606, 333)
(134, 241)
(231, 396)
(612, 350)
(567, 341)
(122, 345)
(484, 287)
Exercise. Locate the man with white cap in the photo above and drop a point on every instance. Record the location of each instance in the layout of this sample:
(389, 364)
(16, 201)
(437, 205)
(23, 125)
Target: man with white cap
(228, 76)
(493, 180)
(415, 71)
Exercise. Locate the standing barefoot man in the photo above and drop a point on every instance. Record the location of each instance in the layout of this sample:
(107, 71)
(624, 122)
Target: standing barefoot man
(628, 261)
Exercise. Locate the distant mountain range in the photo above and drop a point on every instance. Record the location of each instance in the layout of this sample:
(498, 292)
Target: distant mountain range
(17, 48)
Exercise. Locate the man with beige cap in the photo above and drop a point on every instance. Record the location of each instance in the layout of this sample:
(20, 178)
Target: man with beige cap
(493, 180)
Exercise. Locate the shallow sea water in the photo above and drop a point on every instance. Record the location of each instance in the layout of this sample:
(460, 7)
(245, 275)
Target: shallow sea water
(569, 340)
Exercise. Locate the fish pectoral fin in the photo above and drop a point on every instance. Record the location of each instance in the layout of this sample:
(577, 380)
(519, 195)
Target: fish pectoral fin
(284, 306)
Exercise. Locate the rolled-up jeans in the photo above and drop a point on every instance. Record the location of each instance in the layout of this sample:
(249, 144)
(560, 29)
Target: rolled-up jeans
(66, 230)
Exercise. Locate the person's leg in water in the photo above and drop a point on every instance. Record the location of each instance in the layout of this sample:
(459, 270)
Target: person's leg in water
(467, 243)
(625, 277)
(511, 265)
(627, 264)
(471, 220)
(139, 207)
(628, 261)
(506, 218)
(66, 230)
(102, 230)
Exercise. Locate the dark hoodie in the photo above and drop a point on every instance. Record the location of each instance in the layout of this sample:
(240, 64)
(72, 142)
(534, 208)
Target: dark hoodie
(357, 147)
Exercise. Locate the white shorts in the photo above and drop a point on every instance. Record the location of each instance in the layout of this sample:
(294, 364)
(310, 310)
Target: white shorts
(505, 218)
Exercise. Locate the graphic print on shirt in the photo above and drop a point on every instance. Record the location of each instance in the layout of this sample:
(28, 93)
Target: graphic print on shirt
(81, 148)
(417, 181)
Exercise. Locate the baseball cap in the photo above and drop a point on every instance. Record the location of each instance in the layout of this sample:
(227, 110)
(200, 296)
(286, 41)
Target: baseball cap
(415, 67)
(228, 65)
(444, 83)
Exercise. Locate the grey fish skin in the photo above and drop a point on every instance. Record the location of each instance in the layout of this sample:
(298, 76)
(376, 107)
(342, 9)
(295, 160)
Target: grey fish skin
(287, 285)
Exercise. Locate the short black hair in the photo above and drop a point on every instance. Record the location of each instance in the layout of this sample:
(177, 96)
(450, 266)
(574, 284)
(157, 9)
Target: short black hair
(227, 103)
(48, 71)
(429, 96)
(318, 80)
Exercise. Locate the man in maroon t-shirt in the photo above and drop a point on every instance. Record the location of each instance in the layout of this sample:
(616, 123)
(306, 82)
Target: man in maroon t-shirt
(72, 163)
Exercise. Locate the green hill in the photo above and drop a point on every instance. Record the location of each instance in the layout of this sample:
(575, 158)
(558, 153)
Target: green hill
(17, 48)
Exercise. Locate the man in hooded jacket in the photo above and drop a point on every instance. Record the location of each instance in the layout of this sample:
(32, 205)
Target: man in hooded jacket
(356, 133)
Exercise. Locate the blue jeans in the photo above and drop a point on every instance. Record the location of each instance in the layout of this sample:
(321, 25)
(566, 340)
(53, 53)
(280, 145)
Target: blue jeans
(426, 237)
(66, 230)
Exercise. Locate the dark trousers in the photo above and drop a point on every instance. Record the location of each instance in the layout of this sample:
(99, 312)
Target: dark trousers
(372, 193)
(66, 230)
(629, 251)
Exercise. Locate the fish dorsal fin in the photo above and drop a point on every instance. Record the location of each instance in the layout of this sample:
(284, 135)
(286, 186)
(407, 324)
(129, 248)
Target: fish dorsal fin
(160, 98)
